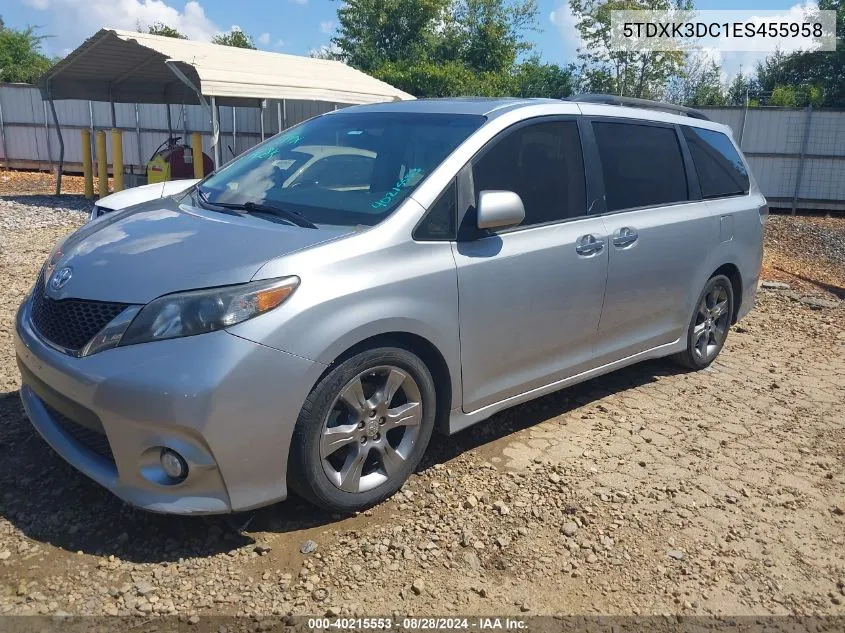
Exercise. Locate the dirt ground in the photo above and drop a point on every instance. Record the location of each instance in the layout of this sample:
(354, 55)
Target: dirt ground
(647, 491)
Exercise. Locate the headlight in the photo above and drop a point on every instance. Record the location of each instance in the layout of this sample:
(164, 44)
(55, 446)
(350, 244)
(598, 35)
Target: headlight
(200, 311)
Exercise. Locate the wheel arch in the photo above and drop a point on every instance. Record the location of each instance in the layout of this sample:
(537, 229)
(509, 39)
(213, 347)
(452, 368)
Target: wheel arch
(428, 353)
(731, 271)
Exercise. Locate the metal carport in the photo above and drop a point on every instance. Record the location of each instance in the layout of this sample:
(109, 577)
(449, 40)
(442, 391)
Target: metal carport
(128, 67)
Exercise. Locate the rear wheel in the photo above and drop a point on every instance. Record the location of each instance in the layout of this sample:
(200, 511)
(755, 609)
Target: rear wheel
(363, 430)
(710, 324)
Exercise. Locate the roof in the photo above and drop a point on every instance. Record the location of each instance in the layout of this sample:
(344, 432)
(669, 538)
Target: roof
(129, 67)
(485, 106)
(495, 107)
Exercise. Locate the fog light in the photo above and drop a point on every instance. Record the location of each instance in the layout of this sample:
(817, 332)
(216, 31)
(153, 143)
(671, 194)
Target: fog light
(173, 464)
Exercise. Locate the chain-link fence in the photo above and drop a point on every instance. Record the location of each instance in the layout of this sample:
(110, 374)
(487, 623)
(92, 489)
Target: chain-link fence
(797, 155)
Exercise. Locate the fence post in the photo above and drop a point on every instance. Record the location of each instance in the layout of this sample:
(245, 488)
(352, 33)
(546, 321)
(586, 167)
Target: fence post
(47, 137)
(138, 138)
(3, 139)
(102, 164)
(744, 118)
(197, 155)
(801, 158)
(87, 166)
(117, 158)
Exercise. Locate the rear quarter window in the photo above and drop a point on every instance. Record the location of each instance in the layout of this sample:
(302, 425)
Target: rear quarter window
(719, 166)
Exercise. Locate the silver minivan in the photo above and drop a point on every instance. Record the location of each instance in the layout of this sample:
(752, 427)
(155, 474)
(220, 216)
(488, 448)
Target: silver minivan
(307, 315)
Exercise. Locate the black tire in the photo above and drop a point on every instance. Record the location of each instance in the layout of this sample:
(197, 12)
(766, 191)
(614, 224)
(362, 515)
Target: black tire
(691, 357)
(306, 473)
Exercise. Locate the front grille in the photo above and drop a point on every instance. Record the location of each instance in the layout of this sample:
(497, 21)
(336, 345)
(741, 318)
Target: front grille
(94, 440)
(70, 323)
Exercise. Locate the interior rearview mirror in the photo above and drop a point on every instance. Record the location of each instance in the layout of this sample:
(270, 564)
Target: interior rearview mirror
(499, 209)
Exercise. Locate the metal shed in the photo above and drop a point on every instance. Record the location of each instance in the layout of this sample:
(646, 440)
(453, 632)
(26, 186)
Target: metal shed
(128, 67)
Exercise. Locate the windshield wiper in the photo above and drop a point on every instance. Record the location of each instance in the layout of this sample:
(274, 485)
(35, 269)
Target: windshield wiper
(290, 215)
(294, 217)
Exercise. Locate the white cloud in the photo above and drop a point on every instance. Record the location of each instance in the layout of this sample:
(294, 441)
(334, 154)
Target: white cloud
(72, 21)
(327, 26)
(299, 1)
(264, 39)
(567, 25)
(279, 43)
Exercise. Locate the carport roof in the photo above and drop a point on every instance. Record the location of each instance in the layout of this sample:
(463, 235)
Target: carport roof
(129, 67)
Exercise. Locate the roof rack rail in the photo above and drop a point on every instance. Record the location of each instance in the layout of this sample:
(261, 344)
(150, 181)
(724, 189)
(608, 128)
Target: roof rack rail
(633, 102)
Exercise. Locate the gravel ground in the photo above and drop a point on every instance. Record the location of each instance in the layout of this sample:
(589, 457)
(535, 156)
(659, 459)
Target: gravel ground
(646, 491)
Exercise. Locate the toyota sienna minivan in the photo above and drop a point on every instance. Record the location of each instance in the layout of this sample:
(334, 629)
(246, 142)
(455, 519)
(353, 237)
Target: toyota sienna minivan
(308, 314)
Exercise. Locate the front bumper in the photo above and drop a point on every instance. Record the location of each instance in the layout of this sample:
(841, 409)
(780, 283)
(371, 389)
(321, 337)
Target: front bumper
(227, 405)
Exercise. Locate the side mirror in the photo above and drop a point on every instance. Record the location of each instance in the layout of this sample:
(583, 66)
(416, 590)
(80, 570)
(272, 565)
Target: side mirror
(499, 209)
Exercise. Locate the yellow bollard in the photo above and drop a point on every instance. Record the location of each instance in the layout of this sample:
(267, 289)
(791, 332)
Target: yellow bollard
(87, 166)
(196, 154)
(117, 158)
(102, 164)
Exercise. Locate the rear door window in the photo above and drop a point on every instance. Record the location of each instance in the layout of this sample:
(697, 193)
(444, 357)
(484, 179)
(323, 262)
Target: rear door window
(719, 166)
(642, 165)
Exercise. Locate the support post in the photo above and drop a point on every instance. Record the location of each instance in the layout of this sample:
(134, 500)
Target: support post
(285, 113)
(801, 158)
(234, 131)
(215, 132)
(3, 139)
(102, 164)
(169, 122)
(279, 115)
(87, 164)
(117, 158)
(196, 154)
(138, 138)
(61, 141)
(47, 137)
(744, 118)
(263, 108)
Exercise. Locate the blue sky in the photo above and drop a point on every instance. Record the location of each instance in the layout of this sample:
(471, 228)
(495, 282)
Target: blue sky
(286, 26)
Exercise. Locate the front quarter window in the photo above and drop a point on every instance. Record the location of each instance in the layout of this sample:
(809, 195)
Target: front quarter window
(344, 168)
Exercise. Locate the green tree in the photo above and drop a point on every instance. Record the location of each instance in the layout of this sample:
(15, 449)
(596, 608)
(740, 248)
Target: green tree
(536, 79)
(742, 87)
(817, 77)
(235, 37)
(628, 73)
(434, 48)
(372, 33)
(786, 96)
(21, 59)
(486, 35)
(160, 28)
(698, 84)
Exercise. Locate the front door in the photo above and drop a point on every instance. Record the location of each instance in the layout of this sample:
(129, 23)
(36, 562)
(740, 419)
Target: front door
(530, 297)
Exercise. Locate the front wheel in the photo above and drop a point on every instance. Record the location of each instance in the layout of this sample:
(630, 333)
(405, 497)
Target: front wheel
(363, 430)
(710, 324)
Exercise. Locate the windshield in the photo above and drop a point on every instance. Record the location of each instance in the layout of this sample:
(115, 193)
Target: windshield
(345, 169)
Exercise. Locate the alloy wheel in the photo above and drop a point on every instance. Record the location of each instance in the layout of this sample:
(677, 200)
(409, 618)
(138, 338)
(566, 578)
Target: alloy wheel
(711, 323)
(371, 428)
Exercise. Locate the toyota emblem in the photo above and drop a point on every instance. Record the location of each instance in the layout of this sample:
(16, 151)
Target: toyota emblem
(60, 278)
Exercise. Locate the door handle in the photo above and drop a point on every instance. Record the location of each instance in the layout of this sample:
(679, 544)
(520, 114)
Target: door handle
(589, 245)
(625, 237)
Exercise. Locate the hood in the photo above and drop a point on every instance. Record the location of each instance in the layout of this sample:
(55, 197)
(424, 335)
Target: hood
(144, 193)
(165, 246)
